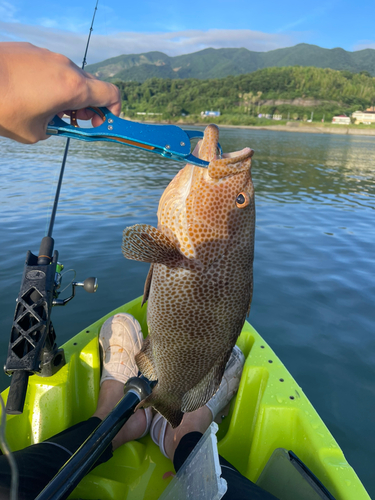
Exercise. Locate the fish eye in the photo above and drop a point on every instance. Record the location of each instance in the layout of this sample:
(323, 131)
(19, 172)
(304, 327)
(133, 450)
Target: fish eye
(242, 200)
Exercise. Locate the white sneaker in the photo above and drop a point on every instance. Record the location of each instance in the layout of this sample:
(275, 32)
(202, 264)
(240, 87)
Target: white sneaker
(121, 339)
(222, 397)
(229, 384)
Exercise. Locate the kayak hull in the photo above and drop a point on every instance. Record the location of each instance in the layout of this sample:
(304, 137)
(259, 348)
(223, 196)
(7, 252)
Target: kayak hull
(270, 411)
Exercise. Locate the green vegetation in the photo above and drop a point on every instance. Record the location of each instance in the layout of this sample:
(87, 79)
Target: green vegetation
(219, 63)
(297, 91)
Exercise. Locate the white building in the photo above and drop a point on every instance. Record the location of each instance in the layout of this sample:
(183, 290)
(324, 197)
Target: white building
(210, 113)
(366, 117)
(341, 120)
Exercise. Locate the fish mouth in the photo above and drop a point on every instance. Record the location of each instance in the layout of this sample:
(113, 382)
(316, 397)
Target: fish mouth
(230, 164)
(221, 165)
(245, 152)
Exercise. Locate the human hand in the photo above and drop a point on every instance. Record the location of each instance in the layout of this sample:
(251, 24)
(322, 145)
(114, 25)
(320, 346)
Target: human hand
(36, 84)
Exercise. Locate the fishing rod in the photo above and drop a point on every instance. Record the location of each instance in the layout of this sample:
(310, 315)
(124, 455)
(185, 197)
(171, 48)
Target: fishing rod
(62, 169)
(32, 347)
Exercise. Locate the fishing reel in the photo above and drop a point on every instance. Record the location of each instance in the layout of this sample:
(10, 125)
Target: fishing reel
(90, 285)
(32, 345)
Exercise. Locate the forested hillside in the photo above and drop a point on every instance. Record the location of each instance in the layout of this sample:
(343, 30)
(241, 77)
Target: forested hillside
(219, 63)
(294, 90)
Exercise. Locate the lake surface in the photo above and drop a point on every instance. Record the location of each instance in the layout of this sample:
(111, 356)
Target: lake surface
(314, 288)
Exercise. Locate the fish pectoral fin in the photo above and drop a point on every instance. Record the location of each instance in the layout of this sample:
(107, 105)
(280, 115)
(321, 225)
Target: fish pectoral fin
(145, 361)
(206, 388)
(148, 244)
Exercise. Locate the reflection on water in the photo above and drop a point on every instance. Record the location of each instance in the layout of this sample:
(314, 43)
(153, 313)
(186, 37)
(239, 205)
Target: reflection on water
(316, 171)
(314, 289)
(109, 178)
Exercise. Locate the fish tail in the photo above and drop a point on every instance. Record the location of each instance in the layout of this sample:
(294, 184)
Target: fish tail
(171, 412)
(145, 361)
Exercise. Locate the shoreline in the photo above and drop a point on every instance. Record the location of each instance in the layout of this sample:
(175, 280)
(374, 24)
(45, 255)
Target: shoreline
(291, 127)
(307, 129)
(288, 127)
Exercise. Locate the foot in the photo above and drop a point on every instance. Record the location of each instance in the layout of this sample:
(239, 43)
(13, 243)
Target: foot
(121, 339)
(229, 384)
(168, 439)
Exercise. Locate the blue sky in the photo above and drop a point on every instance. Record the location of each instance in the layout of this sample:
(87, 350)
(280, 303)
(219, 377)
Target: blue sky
(182, 27)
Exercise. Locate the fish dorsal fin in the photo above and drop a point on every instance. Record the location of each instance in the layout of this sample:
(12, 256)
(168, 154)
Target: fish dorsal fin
(223, 167)
(148, 244)
(146, 290)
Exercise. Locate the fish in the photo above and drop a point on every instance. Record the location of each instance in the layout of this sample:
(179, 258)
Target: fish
(200, 283)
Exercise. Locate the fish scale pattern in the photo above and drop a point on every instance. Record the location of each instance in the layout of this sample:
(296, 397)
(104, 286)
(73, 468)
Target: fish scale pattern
(195, 313)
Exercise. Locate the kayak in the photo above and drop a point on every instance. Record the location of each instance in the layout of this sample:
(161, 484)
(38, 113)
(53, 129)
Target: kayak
(270, 412)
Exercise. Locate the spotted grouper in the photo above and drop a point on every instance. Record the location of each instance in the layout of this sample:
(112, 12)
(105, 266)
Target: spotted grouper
(199, 286)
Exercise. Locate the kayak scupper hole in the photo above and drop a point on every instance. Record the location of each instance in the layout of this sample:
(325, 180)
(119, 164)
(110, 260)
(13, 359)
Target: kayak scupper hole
(262, 346)
(75, 343)
(87, 331)
(270, 361)
(291, 397)
(57, 360)
(281, 380)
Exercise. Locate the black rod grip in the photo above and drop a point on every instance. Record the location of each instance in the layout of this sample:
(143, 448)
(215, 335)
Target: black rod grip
(17, 392)
(85, 457)
(45, 251)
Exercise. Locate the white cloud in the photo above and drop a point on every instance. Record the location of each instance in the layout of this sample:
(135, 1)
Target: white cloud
(69, 24)
(7, 11)
(72, 44)
(47, 23)
(364, 44)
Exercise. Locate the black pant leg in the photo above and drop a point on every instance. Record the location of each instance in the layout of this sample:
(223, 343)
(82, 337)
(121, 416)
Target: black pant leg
(39, 463)
(239, 487)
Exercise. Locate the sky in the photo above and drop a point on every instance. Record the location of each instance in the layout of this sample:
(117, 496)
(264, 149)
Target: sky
(133, 27)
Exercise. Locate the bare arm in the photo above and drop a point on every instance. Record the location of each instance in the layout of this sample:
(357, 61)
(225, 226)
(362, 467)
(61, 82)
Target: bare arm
(36, 84)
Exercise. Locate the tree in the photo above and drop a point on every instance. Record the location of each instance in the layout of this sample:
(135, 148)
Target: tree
(247, 101)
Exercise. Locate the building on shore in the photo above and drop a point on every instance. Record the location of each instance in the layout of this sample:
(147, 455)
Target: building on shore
(341, 120)
(210, 113)
(367, 117)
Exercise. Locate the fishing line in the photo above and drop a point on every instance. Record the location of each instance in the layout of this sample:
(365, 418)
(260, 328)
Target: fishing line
(70, 282)
(62, 169)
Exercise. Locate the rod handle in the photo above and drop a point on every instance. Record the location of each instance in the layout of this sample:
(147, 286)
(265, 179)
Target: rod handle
(45, 251)
(17, 392)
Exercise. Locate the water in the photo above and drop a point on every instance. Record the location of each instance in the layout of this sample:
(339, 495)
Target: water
(314, 289)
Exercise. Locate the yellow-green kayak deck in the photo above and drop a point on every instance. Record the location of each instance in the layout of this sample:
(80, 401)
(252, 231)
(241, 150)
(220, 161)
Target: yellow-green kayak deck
(269, 412)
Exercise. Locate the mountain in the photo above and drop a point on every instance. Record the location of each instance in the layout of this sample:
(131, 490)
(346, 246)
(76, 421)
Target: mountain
(219, 63)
